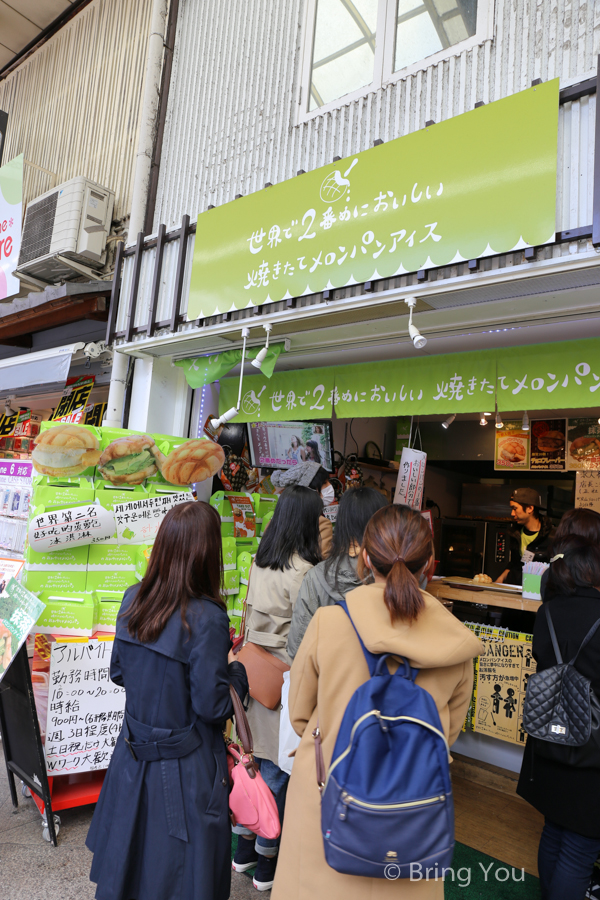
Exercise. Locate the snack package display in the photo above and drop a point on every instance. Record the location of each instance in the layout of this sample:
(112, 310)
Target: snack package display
(236, 603)
(142, 558)
(263, 504)
(111, 557)
(222, 502)
(244, 563)
(57, 580)
(111, 580)
(231, 582)
(71, 559)
(66, 612)
(106, 609)
(107, 495)
(229, 553)
(266, 519)
(61, 493)
(235, 625)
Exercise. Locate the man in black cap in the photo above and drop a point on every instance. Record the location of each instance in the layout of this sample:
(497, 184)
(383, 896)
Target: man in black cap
(531, 535)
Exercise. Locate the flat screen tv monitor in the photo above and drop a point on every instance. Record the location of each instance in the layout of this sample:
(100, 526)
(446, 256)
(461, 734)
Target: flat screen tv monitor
(282, 445)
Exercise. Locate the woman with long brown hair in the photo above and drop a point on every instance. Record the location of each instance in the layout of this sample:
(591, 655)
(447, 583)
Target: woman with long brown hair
(161, 827)
(392, 615)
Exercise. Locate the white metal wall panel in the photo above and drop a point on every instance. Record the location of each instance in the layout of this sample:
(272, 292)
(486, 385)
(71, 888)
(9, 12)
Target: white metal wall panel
(230, 118)
(73, 106)
(575, 171)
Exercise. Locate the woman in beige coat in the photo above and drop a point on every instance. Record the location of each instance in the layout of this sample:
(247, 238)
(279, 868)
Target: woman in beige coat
(290, 547)
(392, 616)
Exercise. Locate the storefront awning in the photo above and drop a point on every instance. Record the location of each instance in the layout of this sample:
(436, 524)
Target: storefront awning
(563, 375)
(42, 367)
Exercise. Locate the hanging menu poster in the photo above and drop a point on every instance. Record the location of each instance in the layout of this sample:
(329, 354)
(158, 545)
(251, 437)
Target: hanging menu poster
(502, 674)
(587, 490)
(85, 708)
(548, 444)
(512, 446)
(583, 440)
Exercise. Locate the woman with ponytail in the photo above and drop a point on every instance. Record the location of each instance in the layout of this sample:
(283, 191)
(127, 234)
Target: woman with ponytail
(392, 615)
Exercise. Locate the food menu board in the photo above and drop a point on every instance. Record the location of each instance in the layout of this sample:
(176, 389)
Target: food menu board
(548, 445)
(587, 490)
(512, 446)
(583, 444)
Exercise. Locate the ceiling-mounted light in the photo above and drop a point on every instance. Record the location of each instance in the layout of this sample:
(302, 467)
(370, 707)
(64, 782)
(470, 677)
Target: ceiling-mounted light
(235, 410)
(448, 422)
(8, 410)
(482, 419)
(525, 422)
(417, 338)
(499, 422)
(262, 354)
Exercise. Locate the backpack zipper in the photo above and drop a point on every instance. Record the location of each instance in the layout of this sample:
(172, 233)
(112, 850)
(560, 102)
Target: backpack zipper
(377, 714)
(347, 800)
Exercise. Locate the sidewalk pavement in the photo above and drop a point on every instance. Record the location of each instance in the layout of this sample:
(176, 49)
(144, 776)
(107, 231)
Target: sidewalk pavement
(32, 869)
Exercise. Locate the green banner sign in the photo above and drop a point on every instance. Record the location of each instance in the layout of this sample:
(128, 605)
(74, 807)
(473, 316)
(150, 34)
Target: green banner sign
(475, 185)
(540, 376)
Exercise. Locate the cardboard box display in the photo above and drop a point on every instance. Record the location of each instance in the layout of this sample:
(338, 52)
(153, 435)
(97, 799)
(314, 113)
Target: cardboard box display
(58, 581)
(244, 563)
(532, 586)
(235, 622)
(142, 559)
(106, 608)
(220, 502)
(71, 559)
(112, 557)
(110, 581)
(236, 603)
(229, 553)
(66, 612)
(231, 581)
(266, 519)
(247, 545)
(62, 493)
(264, 503)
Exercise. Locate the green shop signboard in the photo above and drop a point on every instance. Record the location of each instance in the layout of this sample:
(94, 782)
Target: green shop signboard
(563, 375)
(472, 186)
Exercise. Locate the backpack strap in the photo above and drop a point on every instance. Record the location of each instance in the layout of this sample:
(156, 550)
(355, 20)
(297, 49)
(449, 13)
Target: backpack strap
(557, 652)
(586, 640)
(371, 658)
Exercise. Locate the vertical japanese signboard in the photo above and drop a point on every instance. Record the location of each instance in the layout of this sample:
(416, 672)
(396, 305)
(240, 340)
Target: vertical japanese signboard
(474, 185)
(85, 708)
(11, 210)
(411, 478)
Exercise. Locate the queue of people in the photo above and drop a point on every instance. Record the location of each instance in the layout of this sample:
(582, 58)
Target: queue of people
(161, 828)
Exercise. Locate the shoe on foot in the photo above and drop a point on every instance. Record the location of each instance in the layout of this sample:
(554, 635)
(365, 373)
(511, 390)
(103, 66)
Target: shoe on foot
(245, 856)
(264, 875)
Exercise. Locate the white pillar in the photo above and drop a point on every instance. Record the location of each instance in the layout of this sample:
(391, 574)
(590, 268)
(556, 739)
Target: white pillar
(160, 398)
(116, 393)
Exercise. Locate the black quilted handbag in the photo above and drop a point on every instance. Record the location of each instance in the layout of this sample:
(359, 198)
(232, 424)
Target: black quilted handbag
(562, 711)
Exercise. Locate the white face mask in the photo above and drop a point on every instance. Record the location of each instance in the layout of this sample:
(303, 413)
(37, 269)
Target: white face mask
(327, 494)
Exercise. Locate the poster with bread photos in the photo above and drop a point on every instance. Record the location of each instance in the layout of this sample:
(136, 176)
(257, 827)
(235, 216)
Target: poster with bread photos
(548, 444)
(124, 458)
(583, 444)
(512, 446)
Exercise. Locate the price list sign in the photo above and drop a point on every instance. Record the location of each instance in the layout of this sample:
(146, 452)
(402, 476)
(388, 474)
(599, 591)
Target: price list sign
(85, 708)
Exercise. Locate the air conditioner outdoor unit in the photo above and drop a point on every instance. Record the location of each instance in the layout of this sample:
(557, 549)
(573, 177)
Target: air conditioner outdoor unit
(71, 221)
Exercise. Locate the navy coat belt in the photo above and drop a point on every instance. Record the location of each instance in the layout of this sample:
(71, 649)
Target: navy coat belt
(148, 744)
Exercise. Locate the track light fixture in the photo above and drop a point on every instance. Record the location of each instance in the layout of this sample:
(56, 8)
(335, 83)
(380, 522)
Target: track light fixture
(262, 354)
(482, 419)
(235, 410)
(525, 422)
(417, 338)
(448, 422)
(499, 422)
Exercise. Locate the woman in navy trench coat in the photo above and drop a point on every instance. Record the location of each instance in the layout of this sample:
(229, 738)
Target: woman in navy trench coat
(161, 827)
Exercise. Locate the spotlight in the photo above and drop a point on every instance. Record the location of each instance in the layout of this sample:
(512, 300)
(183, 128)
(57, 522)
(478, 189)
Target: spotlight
(226, 417)
(525, 422)
(8, 410)
(482, 419)
(262, 354)
(448, 422)
(417, 338)
(499, 422)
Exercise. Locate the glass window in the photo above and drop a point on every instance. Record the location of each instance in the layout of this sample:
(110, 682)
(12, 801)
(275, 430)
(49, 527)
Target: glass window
(424, 27)
(343, 55)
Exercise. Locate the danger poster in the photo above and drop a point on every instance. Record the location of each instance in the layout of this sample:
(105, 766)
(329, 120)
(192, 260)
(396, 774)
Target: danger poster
(502, 674)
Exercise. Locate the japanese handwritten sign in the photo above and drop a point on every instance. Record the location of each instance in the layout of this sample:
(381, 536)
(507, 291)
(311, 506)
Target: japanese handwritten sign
(74, 400)
(587, 490)
(64, 528)
(85, 708)
(411, 478)
(477, 184)
(19, 611)
(139, 520)
(502, 675)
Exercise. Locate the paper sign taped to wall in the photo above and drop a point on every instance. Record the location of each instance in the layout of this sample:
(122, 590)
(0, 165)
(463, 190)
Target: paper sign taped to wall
(73, 527)
(139, 520)
(411, 478)
(587, 490)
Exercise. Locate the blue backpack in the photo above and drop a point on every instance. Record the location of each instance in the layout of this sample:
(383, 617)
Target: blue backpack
(386, 806)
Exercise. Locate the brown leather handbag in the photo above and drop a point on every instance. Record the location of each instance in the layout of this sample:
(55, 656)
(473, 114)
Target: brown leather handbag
(265, 674)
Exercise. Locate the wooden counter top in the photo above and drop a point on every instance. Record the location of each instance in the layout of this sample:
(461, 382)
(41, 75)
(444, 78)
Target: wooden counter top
(508, 599)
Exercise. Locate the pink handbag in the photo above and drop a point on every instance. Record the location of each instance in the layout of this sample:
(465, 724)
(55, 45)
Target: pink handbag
(251, 801)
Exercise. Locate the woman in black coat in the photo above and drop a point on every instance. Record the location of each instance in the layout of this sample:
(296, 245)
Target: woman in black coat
(161, 827)
(568, 796)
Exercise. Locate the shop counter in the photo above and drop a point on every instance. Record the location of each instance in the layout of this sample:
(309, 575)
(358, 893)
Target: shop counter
(490, 595)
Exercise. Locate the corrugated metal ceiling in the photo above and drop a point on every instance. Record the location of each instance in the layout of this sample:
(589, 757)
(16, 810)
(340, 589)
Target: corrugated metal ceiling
(22, 21)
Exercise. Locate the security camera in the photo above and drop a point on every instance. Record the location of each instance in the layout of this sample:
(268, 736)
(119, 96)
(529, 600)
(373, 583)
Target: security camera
(94, 349)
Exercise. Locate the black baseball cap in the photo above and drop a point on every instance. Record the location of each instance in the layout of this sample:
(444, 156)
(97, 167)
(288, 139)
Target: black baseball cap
(526, 497)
